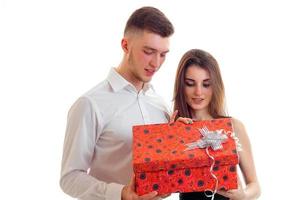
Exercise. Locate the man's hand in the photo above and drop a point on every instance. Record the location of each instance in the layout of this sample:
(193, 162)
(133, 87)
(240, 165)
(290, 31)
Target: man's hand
(128, 193)
(164, 196)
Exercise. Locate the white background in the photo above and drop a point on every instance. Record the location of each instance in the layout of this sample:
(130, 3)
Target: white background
(51, 52)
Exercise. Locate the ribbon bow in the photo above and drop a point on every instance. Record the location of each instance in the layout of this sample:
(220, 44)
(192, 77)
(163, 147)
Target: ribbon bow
(213, 139)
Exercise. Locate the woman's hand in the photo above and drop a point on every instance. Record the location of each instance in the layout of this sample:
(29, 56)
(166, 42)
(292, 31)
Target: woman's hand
(180, 119)
(235, 194)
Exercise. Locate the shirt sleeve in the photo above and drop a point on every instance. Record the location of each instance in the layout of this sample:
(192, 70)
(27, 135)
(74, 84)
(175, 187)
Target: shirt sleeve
(84, 122)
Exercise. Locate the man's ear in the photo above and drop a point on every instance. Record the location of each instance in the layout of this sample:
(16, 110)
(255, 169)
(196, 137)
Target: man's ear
(124, 44)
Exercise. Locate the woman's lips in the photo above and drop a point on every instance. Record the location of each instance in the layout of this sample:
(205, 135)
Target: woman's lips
(197, 100)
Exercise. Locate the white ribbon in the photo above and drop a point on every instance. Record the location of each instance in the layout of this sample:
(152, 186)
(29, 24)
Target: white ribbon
(213, 139)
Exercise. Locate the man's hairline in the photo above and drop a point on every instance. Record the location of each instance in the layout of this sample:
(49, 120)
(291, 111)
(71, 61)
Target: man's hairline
(138, 31)
(129, 34)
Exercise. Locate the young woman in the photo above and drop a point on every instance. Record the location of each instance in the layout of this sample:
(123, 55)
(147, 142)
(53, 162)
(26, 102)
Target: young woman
(199, 95)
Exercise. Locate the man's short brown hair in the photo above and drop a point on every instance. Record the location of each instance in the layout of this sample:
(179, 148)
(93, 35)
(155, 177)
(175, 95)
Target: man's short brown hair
(149, 19)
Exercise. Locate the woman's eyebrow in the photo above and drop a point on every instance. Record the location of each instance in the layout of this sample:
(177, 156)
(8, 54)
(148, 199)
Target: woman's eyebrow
(189, 79)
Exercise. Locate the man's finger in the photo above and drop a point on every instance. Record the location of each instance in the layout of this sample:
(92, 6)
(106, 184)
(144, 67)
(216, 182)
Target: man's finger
(132, 183)
(165, 195)
(148, 196)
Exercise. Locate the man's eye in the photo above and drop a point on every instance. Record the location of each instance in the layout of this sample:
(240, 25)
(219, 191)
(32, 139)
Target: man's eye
(162, 55)
(147, 52)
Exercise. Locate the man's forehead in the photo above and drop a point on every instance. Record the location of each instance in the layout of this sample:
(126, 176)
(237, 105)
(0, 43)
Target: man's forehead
(156, 42)
(163, 50)
(149, 40)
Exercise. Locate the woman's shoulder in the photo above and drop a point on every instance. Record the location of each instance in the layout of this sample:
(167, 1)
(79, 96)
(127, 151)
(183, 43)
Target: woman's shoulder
(238, 126)
(236, 123)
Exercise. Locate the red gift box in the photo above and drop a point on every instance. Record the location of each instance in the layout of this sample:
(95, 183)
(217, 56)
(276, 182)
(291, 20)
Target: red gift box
(163, 162)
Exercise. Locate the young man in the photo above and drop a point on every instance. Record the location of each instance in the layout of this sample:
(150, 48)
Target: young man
(97, 155)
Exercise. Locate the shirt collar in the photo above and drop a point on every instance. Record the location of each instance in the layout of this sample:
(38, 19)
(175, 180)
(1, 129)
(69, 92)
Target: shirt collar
(118, 82)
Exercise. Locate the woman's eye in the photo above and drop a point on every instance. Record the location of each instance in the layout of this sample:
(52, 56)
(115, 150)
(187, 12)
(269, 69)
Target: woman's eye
(189, 84)
(206, 85)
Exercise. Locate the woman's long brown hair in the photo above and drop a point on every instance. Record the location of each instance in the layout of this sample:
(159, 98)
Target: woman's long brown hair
(216, 107)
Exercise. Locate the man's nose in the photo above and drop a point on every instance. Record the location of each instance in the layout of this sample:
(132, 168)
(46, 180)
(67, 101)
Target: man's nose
(155, 61)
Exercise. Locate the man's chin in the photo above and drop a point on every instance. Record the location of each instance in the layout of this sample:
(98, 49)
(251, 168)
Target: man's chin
(147, 79)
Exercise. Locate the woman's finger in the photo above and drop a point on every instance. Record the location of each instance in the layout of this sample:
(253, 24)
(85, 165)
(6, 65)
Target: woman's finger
(173, 116)
(184, 120)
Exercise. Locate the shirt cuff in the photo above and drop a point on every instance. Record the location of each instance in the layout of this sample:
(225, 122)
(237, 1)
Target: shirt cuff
(114, 191)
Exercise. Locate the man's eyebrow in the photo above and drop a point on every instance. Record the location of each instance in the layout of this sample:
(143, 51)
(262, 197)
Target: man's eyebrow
(155, 50)
(166, 51)
(150, 48)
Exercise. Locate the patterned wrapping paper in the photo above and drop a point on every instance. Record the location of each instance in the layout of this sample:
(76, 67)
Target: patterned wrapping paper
(162, 163)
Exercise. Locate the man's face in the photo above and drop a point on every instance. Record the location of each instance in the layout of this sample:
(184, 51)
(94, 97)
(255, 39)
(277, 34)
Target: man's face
(146, 53)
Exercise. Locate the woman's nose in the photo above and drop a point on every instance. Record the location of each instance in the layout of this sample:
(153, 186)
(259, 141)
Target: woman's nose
(198, 90)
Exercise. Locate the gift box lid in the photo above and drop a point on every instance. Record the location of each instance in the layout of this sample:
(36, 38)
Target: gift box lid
(166, 146)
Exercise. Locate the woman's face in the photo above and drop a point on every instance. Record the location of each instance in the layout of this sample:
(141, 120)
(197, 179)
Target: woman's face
(198, 90)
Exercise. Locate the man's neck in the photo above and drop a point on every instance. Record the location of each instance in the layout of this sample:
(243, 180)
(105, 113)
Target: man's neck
(126, 75)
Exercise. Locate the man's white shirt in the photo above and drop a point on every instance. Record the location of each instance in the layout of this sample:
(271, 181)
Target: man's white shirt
(97, 157)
